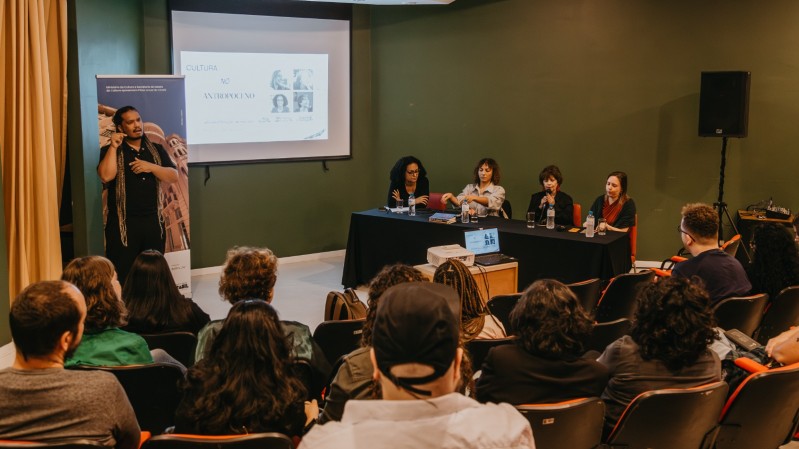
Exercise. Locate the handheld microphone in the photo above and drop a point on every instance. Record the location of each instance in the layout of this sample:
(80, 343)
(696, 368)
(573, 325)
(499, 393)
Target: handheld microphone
(549, 191)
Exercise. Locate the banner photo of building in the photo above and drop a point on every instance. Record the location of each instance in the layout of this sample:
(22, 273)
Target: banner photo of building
(161, 102)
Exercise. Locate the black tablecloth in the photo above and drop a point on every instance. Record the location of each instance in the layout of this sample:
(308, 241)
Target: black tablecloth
(378, 238)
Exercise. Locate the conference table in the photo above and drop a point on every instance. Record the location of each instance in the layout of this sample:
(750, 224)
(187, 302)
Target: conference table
(378, 238)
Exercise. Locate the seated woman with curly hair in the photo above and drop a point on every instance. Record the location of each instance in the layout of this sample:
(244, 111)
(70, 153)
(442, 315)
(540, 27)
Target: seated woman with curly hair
(103, 343)
(667, 346)
(248, 385)
(545, 364)
(476, 322)
(775, 259)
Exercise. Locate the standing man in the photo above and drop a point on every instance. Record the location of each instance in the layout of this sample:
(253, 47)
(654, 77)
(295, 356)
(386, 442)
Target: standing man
(42, 401)
(132, 169)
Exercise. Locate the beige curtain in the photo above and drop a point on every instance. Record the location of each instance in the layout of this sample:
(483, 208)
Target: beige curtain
(33, 101)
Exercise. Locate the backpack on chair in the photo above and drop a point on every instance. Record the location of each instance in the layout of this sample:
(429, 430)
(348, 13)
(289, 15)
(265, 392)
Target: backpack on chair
(344, 306)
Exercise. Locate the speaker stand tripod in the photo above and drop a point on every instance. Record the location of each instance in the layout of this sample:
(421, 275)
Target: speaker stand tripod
(721, 205)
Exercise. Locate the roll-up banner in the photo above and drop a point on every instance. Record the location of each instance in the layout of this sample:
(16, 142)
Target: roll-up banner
(161, 102)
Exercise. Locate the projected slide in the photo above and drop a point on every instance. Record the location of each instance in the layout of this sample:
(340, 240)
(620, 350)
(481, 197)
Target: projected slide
(255, 97)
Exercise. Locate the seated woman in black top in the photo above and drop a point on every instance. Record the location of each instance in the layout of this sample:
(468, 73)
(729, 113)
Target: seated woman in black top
(775, 259)
(615, 205)
(154, 302)
(551, 179)
(248, 385)
(408, 176)
(545, 363)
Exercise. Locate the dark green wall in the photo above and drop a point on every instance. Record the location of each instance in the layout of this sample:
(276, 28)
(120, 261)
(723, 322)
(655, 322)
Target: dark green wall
(592, 87)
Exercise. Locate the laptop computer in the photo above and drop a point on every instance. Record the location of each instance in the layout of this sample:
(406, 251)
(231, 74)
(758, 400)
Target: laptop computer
(484, 243)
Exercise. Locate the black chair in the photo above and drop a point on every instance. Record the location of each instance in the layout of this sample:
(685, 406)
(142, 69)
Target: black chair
(742, 312)
(478, 349)
(618, 300)
(337, 338)
(587, 293)
(762, 412)
(270, 440)
(303, 370)
(180, 345)
(74, 444)
(604, 334)
(781, 314)
(500, 306)
(152, 390)
(685, 418)
(573, 424)
(506, 211)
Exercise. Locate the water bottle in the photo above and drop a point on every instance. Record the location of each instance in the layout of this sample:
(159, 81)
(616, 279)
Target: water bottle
(411, 205)
(551, 217)
(589, 224)
(464, 211)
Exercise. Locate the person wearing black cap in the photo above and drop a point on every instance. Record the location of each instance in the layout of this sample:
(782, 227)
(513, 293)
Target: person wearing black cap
(417, 363)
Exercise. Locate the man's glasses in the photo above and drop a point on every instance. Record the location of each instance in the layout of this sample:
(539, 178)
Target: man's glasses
(412, 172)
(679, 229)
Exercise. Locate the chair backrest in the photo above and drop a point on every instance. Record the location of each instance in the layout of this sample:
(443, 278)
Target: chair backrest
(573, 424)
(604, 334)
(269, 440)
(671, 418)
(587, 293)
(634, 240)
(781, 314)
(434, 201)
(313, 384)
(500, 306)
(762, 411)
(507, 210)
(618, 299)
(731, 245)
(741, 312)
(337, 338)
(478, 349)
(577, 215)
(152, 390)
(74, 444)
(180, 345)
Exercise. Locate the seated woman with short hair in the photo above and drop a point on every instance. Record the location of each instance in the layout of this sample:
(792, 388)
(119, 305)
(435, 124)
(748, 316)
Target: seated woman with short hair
(550, 195)
(484, 196)
(545, 363)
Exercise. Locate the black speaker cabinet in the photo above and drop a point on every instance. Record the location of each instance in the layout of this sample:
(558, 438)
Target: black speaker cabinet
(724, 104)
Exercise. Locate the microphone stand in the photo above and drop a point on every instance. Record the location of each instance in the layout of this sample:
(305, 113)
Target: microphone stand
(721, 205)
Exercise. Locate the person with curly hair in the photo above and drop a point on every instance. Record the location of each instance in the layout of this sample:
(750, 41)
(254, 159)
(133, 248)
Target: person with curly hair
(476, 321)
(251, 273)
(667, 346)
(408, 176)
(353, 379)
(248, 386)
(722, 274)
(103, 343)
(551, 179)
(615, 206)
(775, 259)
(485, 196)
(154, 302)
(545, 364)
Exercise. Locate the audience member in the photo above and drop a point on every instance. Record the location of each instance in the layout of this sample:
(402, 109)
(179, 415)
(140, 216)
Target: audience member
(476, 322)
(248, 385)
(484, 196)
(154, 302)
(615, 206)
(408, 176)
(104, 343)
(551, 179)
(775, 259)
(417, 361)
(721, 273)
(667, 346)
(251, 273)
(41, 400)
(353, 380)
(545, 363)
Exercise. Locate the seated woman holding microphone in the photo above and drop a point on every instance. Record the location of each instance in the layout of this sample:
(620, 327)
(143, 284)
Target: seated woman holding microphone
(550, 179)
(408, 176)
(484, 195)
(615, 206)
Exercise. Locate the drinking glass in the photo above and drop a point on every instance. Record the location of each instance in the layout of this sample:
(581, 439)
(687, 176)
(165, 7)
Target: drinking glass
(531, 219)
(601, 225)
